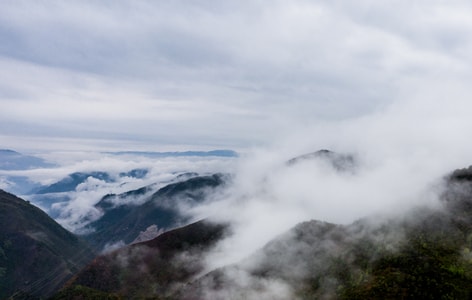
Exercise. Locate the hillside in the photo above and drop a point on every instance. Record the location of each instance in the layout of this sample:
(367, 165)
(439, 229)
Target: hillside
(422, 255)
(37, 255)
(125, 222)
(164, 263)
(425, 254)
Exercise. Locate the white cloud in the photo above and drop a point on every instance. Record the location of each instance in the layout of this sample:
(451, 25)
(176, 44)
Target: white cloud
(388, 81)
(216, 73)
(402, 153)
(79, 209)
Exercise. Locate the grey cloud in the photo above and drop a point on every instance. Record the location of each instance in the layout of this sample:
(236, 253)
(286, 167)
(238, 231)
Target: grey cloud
(84, 65)
(402, 153)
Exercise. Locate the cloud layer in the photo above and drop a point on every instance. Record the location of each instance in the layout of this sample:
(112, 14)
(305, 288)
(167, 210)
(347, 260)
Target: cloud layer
(401, 155)
(215, 74)
(74, 207)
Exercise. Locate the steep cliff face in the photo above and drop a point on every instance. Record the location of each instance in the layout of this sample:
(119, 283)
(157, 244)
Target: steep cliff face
(37, 255)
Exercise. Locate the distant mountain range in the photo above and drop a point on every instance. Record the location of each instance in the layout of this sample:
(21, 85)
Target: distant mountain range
(425, 254)
(71, 182)
(47, 195)
(21, 185)
(12, 160)
(125, 221)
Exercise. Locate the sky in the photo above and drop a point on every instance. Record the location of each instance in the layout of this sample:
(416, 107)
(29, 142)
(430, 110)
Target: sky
(174, 75)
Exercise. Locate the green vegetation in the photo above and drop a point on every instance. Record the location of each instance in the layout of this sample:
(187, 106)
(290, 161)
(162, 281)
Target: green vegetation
(428, 266)
(79, 292)
(431, 260)
(425, 254)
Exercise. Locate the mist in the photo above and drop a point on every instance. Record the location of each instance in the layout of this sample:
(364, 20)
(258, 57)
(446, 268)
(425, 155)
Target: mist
(75, 209)
(401, 154)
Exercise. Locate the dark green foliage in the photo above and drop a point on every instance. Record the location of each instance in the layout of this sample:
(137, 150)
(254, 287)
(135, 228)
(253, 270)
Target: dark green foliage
(78, 292)
(431, 261)
(429, 266)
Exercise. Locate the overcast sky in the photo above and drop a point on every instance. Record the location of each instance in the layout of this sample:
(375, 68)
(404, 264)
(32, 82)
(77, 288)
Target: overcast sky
(208, 74)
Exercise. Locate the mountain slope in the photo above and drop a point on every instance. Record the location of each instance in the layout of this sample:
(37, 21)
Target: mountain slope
(37, 255)
(164, 263)
(425, 254)
(125, 222)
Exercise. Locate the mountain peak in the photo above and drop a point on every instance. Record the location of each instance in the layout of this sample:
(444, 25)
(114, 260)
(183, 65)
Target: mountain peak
(339, 161)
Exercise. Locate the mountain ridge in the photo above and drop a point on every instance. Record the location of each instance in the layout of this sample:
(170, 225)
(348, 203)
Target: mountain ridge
(425, 254)
(125, 222)
(37, 255)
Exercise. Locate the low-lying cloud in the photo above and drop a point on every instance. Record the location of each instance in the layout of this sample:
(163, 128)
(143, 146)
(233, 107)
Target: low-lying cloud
(75, 209)
(401, 155)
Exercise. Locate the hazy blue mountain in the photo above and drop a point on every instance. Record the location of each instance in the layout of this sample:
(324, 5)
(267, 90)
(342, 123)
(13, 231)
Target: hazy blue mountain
(45, 196)
(12, 160)
(71, 182)
(135, 173)
(45, 201)
(18, 185)
(125, 222)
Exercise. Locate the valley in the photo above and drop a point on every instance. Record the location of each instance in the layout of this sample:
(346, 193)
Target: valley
(150, 242)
